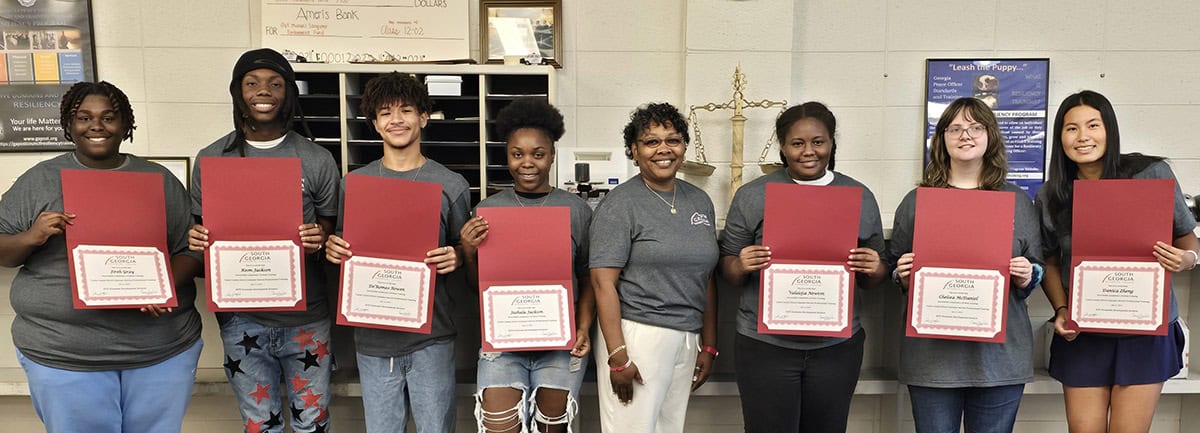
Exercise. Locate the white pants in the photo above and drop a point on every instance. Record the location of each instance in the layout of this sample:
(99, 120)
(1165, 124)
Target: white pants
(666, 359)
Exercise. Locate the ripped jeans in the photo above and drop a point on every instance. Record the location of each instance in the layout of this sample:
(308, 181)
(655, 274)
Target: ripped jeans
(529, 372)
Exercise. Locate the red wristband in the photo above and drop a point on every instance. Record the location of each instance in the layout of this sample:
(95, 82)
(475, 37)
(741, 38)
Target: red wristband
(628, 362)
(711, 350)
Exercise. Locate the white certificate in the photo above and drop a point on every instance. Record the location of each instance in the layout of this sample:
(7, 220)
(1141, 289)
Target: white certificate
(385, 292)
(958, 302)
(1118, 296)
(806, 298)
(121, 275)
(255, 274)
(516, 317)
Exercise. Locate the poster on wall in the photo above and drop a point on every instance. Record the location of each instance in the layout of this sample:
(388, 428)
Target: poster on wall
(45, 47)
(368, 31)
(1015, 89)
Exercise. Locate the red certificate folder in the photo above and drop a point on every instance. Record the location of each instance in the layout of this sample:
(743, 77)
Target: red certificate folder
(812, 225)
(962, 229)
(528, 246)
(252, 199)
(116, 208)
(1120, 220)
(392, 219)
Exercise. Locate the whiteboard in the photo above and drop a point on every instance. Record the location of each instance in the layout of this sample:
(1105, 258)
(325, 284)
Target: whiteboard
(344, 31)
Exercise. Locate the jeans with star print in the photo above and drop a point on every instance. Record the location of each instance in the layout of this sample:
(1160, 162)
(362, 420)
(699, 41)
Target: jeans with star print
(257, 356)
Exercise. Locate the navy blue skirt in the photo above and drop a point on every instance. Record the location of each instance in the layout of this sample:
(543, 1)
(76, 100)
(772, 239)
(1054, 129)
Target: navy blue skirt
(1107, 360)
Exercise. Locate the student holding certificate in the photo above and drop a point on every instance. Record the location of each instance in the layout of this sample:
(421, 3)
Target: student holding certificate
(653, 252)
(262, 346)
(96, 370)
(974, 383)
(506, 380)
(398, 369)
(1110, 382)
(793, 383)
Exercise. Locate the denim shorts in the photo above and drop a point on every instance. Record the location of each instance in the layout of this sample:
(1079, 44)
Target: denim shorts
(528, 371)
(1106, 360)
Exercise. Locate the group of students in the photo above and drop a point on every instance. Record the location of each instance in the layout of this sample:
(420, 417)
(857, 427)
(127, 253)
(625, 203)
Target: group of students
(645, 268)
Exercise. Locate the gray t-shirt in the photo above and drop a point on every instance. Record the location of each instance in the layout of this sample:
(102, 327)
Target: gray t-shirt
(666, 259)
(744, 227)
(581, 216)
(1057, 243)
(320, 192)
(940, 363)
(47, 328)
(456, 207)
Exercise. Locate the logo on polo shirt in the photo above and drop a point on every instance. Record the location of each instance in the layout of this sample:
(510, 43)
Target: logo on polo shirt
(699, 219)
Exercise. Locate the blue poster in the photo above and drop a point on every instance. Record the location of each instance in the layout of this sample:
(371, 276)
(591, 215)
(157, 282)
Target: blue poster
(45, 47)
(1015, 89)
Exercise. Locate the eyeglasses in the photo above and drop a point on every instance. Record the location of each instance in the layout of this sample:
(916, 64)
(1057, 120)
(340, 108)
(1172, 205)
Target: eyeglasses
(655, 142)
(975, 131)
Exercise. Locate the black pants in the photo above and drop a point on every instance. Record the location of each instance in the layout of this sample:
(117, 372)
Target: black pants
(787, 390)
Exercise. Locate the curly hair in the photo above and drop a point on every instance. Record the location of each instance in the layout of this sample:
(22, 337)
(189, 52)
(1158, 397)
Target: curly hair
(394, 88)
(807, 110)
(530, 113)
(81, 90)
(995, 162)
(645, 116)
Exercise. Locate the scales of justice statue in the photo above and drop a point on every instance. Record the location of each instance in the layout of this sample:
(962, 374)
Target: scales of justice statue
(701, 167)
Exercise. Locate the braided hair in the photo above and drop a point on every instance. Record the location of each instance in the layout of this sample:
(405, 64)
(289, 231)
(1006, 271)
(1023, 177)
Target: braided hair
(289, 110)
(81, 90)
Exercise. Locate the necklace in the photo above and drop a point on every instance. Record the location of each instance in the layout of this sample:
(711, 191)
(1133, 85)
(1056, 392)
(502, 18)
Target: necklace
(518, 197)
(660, 197)
(414, 178)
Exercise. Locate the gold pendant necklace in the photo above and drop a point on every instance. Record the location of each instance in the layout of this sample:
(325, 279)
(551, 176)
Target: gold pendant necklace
(671, 203)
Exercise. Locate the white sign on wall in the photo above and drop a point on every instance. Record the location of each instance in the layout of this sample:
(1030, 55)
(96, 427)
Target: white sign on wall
(343, 31)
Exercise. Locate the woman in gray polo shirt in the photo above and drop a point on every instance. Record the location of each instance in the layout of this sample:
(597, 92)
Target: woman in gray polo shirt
(951, 382)
(791, 383)
(653, 251)
(89, 370)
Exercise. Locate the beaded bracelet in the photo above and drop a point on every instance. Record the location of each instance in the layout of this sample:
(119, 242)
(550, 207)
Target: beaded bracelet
(628, 362)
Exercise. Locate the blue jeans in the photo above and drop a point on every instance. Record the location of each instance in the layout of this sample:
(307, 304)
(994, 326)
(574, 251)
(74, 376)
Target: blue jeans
(257, 356)
(147, 399)
(424, 379)
(980, 410)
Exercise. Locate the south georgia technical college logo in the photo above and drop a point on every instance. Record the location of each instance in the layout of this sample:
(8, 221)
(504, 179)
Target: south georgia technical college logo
(700, 219)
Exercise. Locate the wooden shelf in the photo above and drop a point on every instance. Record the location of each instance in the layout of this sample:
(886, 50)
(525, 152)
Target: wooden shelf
(460, 144)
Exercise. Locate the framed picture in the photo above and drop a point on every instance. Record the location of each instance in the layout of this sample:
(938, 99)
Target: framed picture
(180, 166)
(519, 27)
